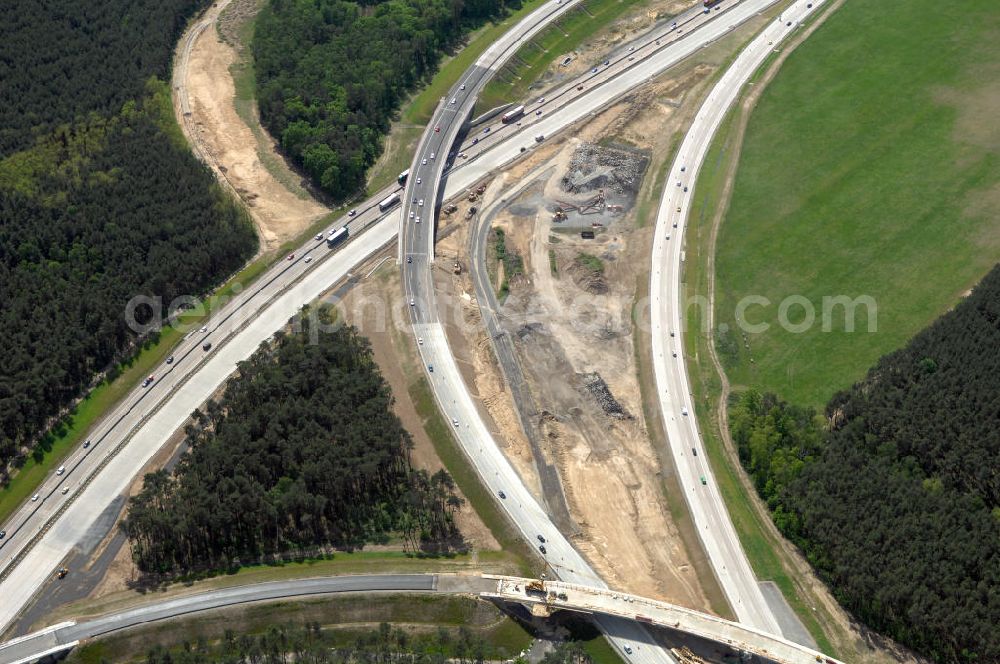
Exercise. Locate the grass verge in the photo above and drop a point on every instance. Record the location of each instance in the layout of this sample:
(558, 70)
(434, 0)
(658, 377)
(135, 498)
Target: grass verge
(346, 617)
(460, 468)
(532, 59)
(761, 549)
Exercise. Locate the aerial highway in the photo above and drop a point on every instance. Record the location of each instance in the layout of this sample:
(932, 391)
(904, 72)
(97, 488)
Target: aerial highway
(677, 408)
(554, 596)
(151, 414)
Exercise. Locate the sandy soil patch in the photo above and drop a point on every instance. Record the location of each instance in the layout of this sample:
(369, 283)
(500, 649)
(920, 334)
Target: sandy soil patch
(229, 145)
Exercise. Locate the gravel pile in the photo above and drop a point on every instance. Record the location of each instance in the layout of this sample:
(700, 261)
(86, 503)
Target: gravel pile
(600, 391)
(594, 167)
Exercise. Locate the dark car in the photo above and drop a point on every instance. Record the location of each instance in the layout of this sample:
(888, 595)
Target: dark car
(206, 346)
(540, 539)
(502, 495)
(3, 533)
(541, 548)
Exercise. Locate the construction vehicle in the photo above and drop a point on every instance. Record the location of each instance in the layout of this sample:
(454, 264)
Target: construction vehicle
(473, 196)
(61, 574)
(450, 209)
(535, 588)
(559, 216)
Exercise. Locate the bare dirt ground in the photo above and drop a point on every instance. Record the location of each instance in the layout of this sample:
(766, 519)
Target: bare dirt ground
(229, 145)
(570, 323)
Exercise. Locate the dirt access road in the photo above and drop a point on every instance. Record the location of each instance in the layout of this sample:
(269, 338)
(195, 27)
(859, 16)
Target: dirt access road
(236, 152)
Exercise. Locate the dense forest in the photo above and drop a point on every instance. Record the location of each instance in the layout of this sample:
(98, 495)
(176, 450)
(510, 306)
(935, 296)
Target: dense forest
(331, 74)
(311, 643)
(302, 451)
(895, 496)
(100, 199)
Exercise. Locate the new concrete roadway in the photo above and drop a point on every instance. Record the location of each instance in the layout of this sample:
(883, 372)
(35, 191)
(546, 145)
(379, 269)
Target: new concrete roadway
(677, 407)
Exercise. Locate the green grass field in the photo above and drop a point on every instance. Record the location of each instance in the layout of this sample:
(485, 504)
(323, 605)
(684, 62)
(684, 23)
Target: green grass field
(869, 169)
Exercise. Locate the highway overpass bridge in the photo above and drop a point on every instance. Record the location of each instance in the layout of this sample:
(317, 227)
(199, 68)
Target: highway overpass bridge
(543, 597)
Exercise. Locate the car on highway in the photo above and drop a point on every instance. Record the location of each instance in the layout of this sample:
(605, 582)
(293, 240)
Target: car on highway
(631, 48)
(86, 444)
(540, 539)
(594, 70)
(423, 161)
(207, 346)
(319, 236)
(678, 183)
(538, 112)
(694, 452)
(420, 202)
(3, 533)
(685, 188)
(352, 213)
(579, 87)
(149, 380)
(628, 650)
(631, 58)
(454, 99)
(672, 333)
(34, 498)
(683, 168)
(432, 155)
(684, 410)
(678, 208)
(607, 63)
(541, 547)
(65, 490)
(437, 129)
(308, 258)
(503, 496)
(411, 214)
(419, 180)
(60, 470)
(454, 421)
(704, 481)
(430, 368)
(420, 341)
(291, 256)
(475, 140)
(417, 220)
(170, 360)
(413, 302)
(541, 100)
(409, 259)
(461, 87)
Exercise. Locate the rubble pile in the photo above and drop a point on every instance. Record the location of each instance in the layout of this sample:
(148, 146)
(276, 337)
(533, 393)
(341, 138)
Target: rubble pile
(602, 393)
(595, 167)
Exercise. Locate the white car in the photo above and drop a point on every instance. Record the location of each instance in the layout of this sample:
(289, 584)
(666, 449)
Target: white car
(684, 410)
(65, 490)
(61, 470)
(432, 155)
(413, 302)
(319, 236)
(420, 341)
(454, 99)
(418, 220)
(454, 421)
(308, 258)
(462, 87)
(352, 213)
(34, 498)
(418, 181)
(423, 161)
(411, 214)
(421, 203)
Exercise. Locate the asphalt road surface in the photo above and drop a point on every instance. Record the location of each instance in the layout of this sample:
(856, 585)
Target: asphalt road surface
(63, 636)
(677, 408)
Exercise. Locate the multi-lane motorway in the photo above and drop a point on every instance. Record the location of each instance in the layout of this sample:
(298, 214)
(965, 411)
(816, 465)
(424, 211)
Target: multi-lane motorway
(174, 394)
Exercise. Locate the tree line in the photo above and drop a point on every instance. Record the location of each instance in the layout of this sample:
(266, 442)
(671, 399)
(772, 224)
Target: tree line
(332, 73)
(301, 451)
(100, 200)
(311, 643)
(894, 494)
